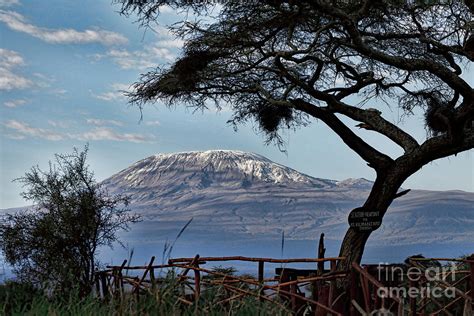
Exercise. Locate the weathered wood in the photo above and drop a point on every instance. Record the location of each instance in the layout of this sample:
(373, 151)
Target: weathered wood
(284, 279)
(321, 253)
(316, 278)
(471, 264)
(110, 281)
(324, 300)
(197, 284)
(161, 266)
(192, 263)
(298, 272)
(330, 310)
(332, 287)
(353, 292)
(370, 278)
(119, 279)
(364, 283)
(320, 267)
(116, 280)
(97, 284)
(253, 259)
(152, 279)
(357, 308)
(137, 288)
(182, 300)
(468, 260)
(105, 288)
(293, 291)
(239, 290)
(261, 271)
(232, 298)
(444, 308)
(413, 305)
(445, 284)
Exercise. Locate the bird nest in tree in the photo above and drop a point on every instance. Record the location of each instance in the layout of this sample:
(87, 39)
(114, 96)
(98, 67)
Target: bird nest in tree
(185, 75)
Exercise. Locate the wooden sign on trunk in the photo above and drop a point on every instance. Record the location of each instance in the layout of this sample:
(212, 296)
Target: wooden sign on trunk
(365, 220)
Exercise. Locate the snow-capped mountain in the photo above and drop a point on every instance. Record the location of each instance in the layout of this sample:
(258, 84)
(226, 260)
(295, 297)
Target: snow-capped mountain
(245, 194)
(201, 169)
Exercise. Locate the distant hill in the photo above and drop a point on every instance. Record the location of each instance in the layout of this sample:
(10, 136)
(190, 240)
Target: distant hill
(244, 194)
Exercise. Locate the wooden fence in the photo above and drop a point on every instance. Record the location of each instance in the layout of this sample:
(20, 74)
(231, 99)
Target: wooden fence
(299, 290)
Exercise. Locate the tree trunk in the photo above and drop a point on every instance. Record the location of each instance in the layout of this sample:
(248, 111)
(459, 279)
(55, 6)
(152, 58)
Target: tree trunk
(381, 196)
(352, 248)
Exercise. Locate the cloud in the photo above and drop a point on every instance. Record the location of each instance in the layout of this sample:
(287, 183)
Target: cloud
(9, 80)
(104, 133)
(8, 3)
(10, 58)
(116, 93)
(163, 50)
(24, 130)
(17, 22)
(149, 57)
(15, 103)
(153, 123)
(99, 122)
(21, 130)
(58, 124)
(59, 92)
(170, 43)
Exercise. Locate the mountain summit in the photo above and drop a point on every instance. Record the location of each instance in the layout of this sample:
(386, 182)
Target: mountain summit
(202, 169)
(245, 194)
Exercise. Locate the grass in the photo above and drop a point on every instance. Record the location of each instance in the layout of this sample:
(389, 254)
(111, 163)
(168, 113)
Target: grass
(22, 299)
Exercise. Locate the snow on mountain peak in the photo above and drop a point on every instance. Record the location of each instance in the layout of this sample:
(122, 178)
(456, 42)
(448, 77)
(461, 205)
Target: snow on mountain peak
(355, 182)
(202, 168)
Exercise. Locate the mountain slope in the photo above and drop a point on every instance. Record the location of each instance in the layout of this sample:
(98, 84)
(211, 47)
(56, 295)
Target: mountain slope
(245, 194)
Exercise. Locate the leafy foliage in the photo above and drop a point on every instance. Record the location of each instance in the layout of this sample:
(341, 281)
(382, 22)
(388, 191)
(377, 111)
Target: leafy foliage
(54, 245)
(279, 63)
(260, 56)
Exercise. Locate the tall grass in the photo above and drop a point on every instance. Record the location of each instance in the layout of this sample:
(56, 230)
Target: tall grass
(20, 299)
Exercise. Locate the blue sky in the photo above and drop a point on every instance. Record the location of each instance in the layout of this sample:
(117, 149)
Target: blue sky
(62, 64)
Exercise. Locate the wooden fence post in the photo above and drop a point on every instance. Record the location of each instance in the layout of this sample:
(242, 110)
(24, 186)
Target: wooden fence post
(323, 299)
(140, 281)
(316, 285)
(97, 284)
(105, 287)
(332, 287)
(321, 253)
(197, 283)
(471, 264)
(120, 276)
(152, 279)
(261, 271)
(115, 283)
(353, 292)
(413, 306)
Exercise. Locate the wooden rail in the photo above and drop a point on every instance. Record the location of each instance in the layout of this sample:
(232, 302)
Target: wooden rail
(286, 287)
(253, 259)
(467, 277)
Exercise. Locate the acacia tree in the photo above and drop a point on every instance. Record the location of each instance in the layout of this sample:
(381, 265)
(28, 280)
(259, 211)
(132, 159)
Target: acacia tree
(54, 245)
(281, 63)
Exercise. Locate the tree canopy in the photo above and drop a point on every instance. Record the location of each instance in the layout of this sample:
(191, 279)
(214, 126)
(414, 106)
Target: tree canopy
(54, 245)
(280, 63)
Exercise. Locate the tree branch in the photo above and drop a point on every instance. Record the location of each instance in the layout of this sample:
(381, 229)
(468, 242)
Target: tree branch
(375, 159)
(377, 123)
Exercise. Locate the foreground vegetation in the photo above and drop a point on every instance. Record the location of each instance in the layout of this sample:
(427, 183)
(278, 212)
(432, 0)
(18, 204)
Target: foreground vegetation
(44, 244)
(22, 299)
